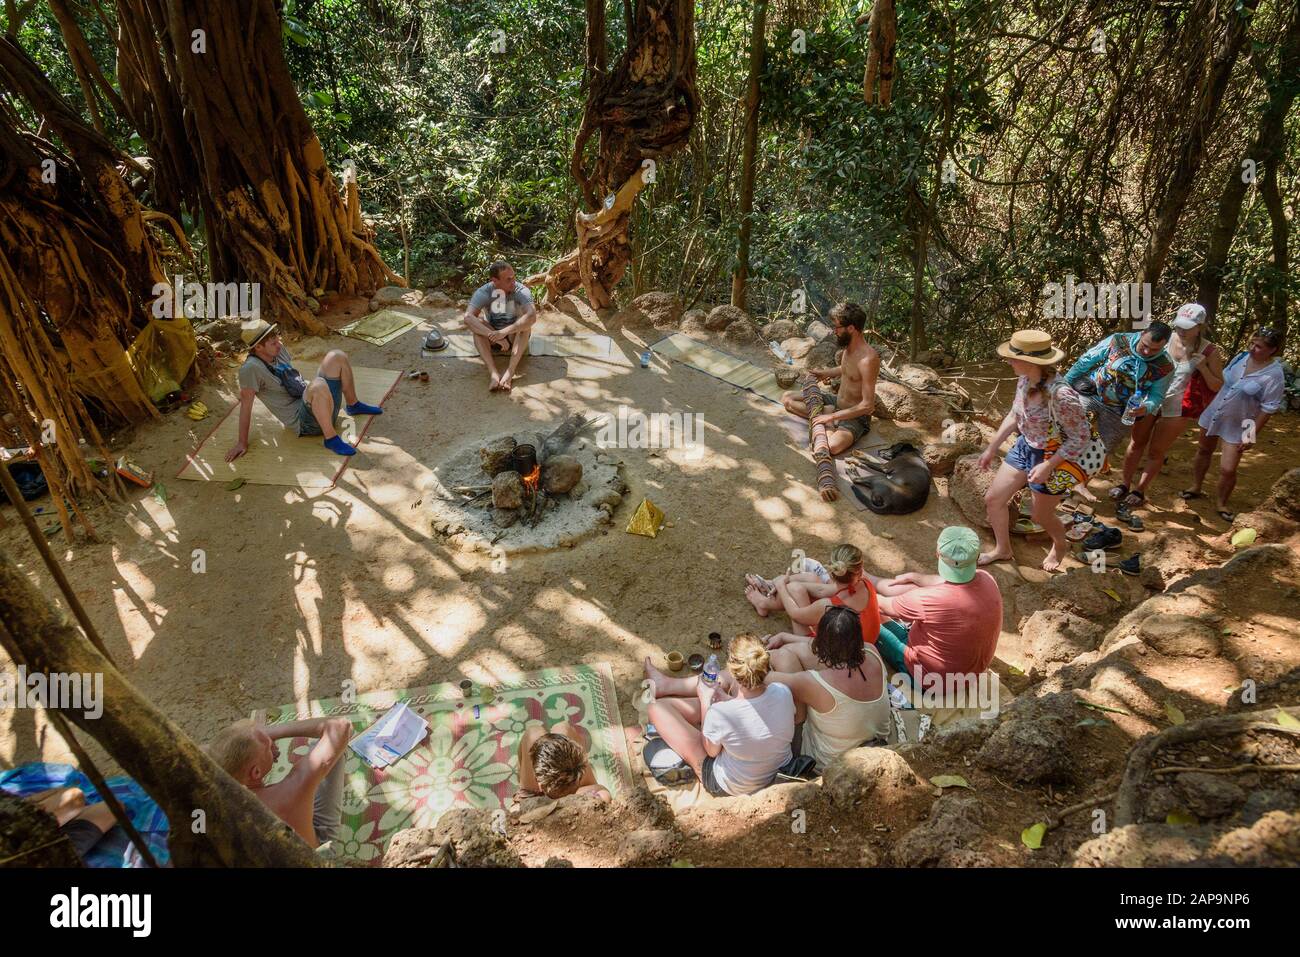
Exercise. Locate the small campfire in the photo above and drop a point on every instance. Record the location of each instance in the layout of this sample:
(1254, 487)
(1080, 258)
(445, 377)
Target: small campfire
(527, 491)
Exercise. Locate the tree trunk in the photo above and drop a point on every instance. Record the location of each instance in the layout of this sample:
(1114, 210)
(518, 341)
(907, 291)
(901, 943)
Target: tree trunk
(643, 110)
(1275, 290)
(753, 102)
(1205, 103)
(275, 212)
(78, 263)
(151, 97)
(1265, 152)
(918, 216)
(237, 829)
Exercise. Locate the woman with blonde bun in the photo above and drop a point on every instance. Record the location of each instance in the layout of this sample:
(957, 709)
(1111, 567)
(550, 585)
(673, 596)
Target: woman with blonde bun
(806, 601)
(737, 739)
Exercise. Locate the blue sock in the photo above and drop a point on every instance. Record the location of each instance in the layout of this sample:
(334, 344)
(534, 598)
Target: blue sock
(339, 447)
(360, 408)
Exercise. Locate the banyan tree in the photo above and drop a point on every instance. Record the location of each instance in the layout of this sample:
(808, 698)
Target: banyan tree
(78, 262)
(639, 112)
(206, 83)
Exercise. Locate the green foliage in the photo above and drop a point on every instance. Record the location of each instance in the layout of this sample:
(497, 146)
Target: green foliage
(1018, 153)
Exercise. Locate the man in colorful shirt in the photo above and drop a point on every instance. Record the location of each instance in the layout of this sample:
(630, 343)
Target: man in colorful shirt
(1119, 367)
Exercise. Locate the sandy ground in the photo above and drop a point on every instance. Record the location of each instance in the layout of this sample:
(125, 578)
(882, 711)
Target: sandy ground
(305, 591)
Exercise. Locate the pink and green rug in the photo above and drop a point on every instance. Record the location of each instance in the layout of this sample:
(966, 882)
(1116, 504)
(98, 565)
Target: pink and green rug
(466, 761)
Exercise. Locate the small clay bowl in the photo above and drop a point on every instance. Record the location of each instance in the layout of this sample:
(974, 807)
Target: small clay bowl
(674, 660)
(786, 378)
(695, 662)
(715, 640)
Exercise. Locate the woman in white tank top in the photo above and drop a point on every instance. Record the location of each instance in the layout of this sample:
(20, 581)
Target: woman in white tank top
(840, 687)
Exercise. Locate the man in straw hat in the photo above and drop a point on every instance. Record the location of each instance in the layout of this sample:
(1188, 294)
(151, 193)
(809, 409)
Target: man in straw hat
(1053, 453)
(308, 408)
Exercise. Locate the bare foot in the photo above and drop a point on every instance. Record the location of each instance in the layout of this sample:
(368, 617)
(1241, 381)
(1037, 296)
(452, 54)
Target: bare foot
(507, 381)
(758, 600)
(495, 384)
(988, 558)
(1053, 561)
(654, 675)
(764, 586)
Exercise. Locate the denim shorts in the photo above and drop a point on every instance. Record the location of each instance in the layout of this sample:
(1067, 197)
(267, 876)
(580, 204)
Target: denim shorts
(710, 782)
(1023, 457)
(307, 424)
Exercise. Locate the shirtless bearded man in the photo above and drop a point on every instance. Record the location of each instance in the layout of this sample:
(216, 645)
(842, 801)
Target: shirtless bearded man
(847, 416)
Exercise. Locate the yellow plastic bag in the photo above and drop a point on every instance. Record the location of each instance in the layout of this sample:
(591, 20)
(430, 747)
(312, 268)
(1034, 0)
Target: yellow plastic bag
(646, 520)
(162, 354)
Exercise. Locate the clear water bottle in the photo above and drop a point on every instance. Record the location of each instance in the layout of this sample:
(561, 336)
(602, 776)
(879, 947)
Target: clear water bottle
(1131, 410)
(709, 673)
(780, 353)
(645, 359)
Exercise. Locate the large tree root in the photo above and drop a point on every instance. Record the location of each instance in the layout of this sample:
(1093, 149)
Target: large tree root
(1139, 773)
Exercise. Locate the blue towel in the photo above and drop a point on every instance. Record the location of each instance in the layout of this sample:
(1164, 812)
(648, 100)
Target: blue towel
(115, 850)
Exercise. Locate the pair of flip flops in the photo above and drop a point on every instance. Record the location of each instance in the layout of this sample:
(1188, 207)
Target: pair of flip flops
(1187, 495)
(1081, 530)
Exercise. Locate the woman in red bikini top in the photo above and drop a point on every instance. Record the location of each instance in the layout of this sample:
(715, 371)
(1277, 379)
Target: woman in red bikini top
(854, 591)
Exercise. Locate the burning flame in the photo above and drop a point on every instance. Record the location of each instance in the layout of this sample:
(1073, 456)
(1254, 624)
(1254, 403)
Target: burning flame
(533, 479)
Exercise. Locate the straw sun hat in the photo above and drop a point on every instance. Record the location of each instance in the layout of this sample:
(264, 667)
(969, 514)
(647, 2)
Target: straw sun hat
(1032, 345)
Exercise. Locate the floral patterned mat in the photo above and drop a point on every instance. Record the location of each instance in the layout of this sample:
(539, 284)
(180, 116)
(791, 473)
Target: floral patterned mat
(469, 759)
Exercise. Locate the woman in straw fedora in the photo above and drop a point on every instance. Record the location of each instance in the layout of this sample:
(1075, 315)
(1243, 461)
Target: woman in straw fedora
(1049, 454)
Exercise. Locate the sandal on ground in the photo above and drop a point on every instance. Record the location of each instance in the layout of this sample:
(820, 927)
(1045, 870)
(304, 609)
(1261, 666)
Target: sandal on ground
(1136, 524)
(1079, 531)
(1227, 516)
(1187, 495)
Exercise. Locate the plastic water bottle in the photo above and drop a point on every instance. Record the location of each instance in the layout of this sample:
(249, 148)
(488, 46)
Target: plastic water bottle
(709, 673)
(645, 359)
(780, 353)
(1131, 410)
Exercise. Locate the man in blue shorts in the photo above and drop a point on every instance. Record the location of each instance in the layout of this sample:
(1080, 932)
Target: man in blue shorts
(308, 408)
(501, 315)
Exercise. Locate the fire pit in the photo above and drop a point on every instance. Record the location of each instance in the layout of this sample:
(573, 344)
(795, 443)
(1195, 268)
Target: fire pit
(522, 492)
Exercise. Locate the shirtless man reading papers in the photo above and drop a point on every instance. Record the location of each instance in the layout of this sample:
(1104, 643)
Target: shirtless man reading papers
(848, 415)
(310, 797)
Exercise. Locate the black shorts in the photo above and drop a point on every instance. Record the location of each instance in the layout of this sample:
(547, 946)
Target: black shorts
(709, 781)
(84, 835)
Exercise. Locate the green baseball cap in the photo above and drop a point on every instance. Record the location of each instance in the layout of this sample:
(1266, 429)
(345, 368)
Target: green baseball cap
(959, 552)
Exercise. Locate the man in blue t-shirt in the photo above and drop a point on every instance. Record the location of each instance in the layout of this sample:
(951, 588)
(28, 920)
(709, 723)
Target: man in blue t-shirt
(501, 316)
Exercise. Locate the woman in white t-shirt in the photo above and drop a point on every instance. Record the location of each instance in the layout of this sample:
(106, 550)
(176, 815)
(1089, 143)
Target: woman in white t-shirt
(734, 744)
